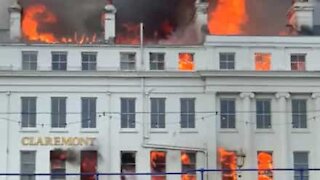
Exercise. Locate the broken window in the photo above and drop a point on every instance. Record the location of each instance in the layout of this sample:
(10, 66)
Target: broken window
(58, 164)
(262, 61)
(158, 165)
(186, 62)
(88, 164)
(298, 62)
(128, 165)
(228, 162)
(265, 165)
(188, 164)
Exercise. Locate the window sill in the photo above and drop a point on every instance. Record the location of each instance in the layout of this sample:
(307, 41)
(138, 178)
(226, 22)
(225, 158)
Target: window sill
(188, 130)
(158, 130)
(264, 131)
(58, 130)
(228, 131)
(29, 130)
(89, 130)
(128, 130)
(300, 131)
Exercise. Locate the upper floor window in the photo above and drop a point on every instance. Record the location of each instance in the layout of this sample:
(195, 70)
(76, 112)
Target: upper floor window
(263, 110)
(227, 60)
(298, 62)
(128, 113)
(301, 161)
(187, 108)
(299, 113)
(158, 113)
(88, 112)
(28, 111)
(58, 112)
(157, 61)
(228, 113)
(89, 61)
(29, 60)
(59, 61)
(262, 61)
(127, 61)
(186, 62)
(28, 164)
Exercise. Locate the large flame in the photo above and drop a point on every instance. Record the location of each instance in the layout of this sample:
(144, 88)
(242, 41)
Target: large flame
(263, 61)
(36, 19)
(156, 157)
(185, 160)
(265, 163)
(228, 161)
(186, 62)
(228, 17)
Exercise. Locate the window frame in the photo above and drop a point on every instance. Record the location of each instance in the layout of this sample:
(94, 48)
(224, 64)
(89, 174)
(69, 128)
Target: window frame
(61, 174)
(127, 114)
(29, 114)
(227, 61)
(230, 123)
(301, 114)
(164, 164)
(127, 64)
(298, 64)
(265, 116)
(131, 165)
(61, 113)
(89, 64)
(297, 173)
(188, 115)
(158, 118)
(61, 62)
(29, 64)
(91, 120)
(32, 163)
(192, 166)
(155, 62)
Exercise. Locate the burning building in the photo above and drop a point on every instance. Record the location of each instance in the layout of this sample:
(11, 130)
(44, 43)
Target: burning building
(87, 89)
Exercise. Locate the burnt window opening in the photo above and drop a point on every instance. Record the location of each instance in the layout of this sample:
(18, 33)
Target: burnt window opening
(158, 165)
(157, 61)
(262, 61)
(58, 164)
(188, 165)
(29, 60)
(88, 165)
(228, 162)
(265, 165)
(298, 62)
(186, 61)
(59, 61)
(128, 165)
(89, 61)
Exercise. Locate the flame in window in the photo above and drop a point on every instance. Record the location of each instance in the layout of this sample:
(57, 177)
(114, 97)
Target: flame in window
(262, 61)
(185, 160)
(264, 164)
(228, 162)
(157, 161)
(186, 62)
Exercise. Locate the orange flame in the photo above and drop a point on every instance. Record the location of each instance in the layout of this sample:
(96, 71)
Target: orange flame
(185, 160)
(228, 160)
(265, 163)
(228, 17)
(263, 61)
(157, 156)
(37, 17)
(186, 62)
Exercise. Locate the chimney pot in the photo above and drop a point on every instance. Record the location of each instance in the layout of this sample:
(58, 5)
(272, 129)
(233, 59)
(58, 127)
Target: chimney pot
(109, 23)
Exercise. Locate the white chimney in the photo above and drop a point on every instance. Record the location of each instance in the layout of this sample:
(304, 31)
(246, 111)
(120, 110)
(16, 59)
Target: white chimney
(300, 16)
(15, 22)
(109, 23)
(202, 16)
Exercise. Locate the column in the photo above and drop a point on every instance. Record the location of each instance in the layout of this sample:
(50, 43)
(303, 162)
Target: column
(247, 132)
(282, 130)
(315, 126)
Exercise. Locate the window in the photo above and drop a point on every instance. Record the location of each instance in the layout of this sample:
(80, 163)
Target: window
(298, 62)
(89, 61)
(128, 165)
(301, 161)
(29, 60)
(127, 61)
(188, 165)
(186, 61)
(128, 113)
(187, 108)
(88, 112)
(157, 61)
(28, 164)
(262, 61)
(265, 165)
(227, 60)
(58, 164)
(158, 112)
(228, 113)
(59, 61)
(263, 110)
(58, 112)
(228, 162)
(158, 164)
(28, 112)
(299, 113)
(88, 164)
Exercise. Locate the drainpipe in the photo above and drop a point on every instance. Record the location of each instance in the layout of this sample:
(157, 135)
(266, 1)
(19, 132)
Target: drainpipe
(8, 131)
(109, 129)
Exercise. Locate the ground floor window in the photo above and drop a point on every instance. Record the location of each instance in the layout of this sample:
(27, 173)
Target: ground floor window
(188, 165)
(128, 165)
(228, 162)
(88, 164)
(58, 164)
(158, 164)
(28, 164)
(264, 164)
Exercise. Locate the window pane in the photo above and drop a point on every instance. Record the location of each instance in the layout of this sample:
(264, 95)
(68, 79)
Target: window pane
(29, 60)
(89, 61)
(298, 62)
(263, 113)
(88, 112)
(227, 116)
(128, 113)
(158, 164)
(187, 109)
(157, 61)
(58, 164)
(127, 61)
(299, 113)
(59, 61)
(227, 60)
(28, 164)
(157, 112)
(58, 112)
(128, 165)
(28, 112)
(88, 164)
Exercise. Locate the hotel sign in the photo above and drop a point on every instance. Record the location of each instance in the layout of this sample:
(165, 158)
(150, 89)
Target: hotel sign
(57, 141)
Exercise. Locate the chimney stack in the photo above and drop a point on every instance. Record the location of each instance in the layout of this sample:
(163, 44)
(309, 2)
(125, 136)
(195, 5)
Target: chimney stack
(202, 16)
(15, 22)
(300, 16)
(109, 23)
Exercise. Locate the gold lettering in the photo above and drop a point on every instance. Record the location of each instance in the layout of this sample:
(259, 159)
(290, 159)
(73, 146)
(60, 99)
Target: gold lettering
(25, 141)
(83, 141)
(67, 141)
(91, 141)
(75, 141)
(48, 141)
(57, 141)
(39, 141)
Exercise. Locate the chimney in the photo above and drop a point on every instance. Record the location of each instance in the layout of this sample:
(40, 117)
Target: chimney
(300, 16)
(109, 23)
(202, 16)
(15, 22)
